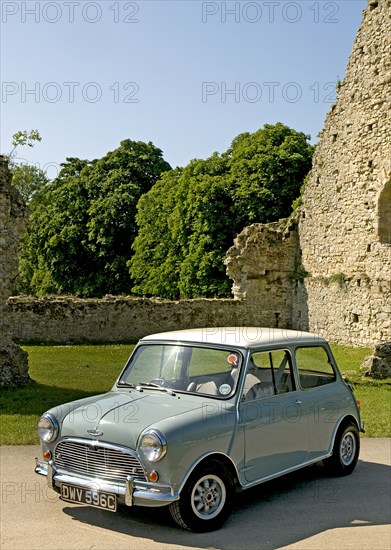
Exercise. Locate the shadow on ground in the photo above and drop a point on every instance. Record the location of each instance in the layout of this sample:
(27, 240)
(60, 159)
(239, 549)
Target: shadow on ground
(272, 515)
(36, 398)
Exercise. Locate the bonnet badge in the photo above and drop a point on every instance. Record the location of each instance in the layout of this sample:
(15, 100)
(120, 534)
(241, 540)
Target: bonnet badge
(95, 432)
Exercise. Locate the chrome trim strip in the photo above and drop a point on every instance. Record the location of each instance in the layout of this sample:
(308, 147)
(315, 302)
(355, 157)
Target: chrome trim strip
(284, 472)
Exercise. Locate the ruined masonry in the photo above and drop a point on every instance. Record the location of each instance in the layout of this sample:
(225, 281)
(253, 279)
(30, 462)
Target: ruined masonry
(378, 365)
(13, 360)
(329, 268)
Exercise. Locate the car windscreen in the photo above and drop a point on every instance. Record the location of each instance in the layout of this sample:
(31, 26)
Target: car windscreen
(184, 368)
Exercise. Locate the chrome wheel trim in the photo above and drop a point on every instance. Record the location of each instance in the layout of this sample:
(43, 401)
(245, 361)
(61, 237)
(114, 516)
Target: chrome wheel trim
(347, 449)
(208, 497)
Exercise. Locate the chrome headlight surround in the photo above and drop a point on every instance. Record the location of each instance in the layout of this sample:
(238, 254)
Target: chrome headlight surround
(47, 428)
(153, 445)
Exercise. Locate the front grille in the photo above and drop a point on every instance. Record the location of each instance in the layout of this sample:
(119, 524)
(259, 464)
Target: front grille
(98, 460)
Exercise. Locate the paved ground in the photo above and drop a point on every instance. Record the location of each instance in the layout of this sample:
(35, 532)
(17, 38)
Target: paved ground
(305, 510)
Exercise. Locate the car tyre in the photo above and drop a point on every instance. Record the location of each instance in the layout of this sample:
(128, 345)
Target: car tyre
(206, 500)
(345, 452)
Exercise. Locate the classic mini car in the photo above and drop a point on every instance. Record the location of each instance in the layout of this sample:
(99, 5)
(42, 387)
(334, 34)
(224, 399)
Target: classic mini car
(197, 415)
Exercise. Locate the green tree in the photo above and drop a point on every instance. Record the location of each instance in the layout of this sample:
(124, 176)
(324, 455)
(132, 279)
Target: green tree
(28, 179)
(189, 219)
(82, 225)
(158, 253)
(22, 138)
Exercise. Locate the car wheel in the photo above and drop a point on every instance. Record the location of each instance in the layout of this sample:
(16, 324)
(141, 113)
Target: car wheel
(345, 452)
(206, 499)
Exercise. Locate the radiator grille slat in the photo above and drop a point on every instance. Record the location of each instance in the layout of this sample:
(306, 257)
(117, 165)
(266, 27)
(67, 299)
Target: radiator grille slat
(97, 461)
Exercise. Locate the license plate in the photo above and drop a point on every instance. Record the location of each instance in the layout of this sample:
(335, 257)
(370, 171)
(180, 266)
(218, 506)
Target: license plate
(107, 501)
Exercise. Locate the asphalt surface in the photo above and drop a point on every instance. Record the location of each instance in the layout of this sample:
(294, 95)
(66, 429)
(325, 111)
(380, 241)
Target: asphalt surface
(305, 510)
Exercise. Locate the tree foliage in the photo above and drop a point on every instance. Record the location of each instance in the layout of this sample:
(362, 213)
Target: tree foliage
(85, 233)
(22, 138)
(82, 225)
(189, 219)
(28, 179)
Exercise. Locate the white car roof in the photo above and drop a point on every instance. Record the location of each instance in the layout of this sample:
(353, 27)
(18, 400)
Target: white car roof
(245, 337)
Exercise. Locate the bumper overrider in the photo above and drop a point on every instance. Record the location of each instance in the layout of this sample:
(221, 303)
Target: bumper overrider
(131, 493)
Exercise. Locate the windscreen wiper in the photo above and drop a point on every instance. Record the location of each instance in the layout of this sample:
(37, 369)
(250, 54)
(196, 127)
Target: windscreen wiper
(156, 386)
(123, 384)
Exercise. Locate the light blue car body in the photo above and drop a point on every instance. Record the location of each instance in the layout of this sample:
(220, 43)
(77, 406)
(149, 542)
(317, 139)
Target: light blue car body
(257, 440)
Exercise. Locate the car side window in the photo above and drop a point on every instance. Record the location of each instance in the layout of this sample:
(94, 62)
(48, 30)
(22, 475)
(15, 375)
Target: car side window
(213, 372)
(314, 367)
(268, 373)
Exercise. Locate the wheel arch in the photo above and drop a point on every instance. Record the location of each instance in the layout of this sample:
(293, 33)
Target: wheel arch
(341, 425)
(224, 459)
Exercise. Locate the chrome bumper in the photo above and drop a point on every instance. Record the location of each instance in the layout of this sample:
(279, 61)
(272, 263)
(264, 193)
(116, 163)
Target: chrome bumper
(130, 493)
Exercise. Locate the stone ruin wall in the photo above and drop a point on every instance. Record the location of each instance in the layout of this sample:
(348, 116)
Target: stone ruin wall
(265, 266)
(13, 361)
(345, 219)
(338, 280)
(65, 320)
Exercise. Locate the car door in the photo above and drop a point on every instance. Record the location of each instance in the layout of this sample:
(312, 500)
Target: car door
(323, 398)
(275, 432)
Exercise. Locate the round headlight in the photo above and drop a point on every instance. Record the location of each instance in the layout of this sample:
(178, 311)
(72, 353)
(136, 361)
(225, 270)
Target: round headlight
(47, 428)
(153, 445)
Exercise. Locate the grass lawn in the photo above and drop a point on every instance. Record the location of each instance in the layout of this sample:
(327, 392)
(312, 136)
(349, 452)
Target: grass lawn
(60, 374)
(374, 395)
(66, 373)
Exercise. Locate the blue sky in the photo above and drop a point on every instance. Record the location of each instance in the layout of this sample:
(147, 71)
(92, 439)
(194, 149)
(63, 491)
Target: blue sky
(187, 75)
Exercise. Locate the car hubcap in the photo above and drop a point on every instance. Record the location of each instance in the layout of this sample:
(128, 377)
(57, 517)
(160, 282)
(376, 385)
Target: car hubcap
(208, 497)
(348, 448)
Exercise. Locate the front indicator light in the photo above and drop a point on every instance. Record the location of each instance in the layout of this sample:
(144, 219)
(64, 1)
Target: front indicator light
(153, 476)
(47, 455)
